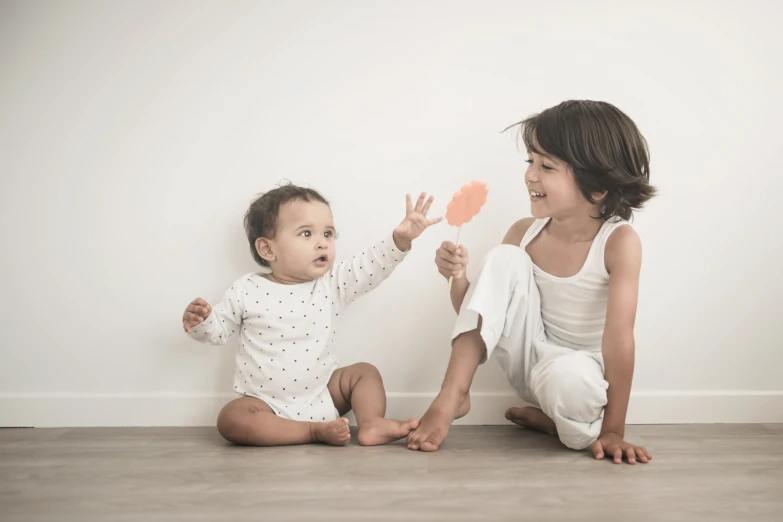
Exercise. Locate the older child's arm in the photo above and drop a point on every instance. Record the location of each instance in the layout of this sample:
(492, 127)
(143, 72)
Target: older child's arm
(216, 324)
(362, 273)
(623, 261)
(452, 261)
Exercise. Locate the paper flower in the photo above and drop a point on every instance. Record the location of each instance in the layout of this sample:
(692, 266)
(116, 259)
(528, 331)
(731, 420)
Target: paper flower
(466, 203)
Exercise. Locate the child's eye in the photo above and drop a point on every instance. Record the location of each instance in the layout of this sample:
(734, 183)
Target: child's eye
(306, 233)
(543, 166)
(328, 234)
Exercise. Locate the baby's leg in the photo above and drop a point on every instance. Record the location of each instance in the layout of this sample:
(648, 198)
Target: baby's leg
(501, 312)
(571, 390)
(360, 387)
(250, 421)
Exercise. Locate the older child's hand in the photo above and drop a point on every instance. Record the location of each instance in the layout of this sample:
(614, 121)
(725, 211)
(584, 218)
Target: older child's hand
(415, 221)
(195, 314)
(451, 260)
(616, 447)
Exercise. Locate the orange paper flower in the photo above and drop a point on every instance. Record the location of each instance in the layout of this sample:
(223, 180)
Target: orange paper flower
(466, 203)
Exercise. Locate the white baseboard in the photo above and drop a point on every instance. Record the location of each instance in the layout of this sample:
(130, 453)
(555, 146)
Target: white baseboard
(190, 409)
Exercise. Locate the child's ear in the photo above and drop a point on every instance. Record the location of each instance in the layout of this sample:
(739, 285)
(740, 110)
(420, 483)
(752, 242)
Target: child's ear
(599, 197)
(264, 249)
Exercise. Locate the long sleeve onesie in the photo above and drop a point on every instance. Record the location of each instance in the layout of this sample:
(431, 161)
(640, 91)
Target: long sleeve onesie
(286, 332)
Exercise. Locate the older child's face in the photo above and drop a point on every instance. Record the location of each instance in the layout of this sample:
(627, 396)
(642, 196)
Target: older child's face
(304, 241)
(552, 187)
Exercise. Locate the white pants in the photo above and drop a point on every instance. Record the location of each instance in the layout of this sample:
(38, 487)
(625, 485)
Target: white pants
(568, 385)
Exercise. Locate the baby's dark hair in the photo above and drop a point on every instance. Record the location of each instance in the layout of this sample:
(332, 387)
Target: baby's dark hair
(602, 145)
(261, 217)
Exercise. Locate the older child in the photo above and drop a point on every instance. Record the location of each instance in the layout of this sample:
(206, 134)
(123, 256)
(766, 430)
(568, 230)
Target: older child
(287, 372)
(557, 300)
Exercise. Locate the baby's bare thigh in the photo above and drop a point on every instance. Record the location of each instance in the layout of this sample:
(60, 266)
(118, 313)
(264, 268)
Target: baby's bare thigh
(241, 407)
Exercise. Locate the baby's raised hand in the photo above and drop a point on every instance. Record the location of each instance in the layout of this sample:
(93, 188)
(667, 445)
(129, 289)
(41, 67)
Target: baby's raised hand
(415, 221)
(451, 260)
(195, 314)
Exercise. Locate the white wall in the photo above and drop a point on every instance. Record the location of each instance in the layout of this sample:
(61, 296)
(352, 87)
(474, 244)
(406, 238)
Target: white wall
(134, 134)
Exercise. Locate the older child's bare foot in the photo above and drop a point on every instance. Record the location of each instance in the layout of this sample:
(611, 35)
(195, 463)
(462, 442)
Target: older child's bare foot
(381, 431)
(434, 425)
(532, 418)
(334, 432)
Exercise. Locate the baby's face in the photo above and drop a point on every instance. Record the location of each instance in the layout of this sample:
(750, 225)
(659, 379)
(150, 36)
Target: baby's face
(304, 241)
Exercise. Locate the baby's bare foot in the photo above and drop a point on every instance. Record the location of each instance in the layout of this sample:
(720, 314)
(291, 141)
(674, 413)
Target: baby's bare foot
(434, 425)
(532, 418)
(334, 432)
(382, 431)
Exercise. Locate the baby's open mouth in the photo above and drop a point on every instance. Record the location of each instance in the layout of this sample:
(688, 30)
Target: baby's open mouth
(537, 195)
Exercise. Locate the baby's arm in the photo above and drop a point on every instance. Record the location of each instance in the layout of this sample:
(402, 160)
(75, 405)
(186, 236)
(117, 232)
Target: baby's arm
(216, 324)
(364, 272)
(623, 261)
(357, 276)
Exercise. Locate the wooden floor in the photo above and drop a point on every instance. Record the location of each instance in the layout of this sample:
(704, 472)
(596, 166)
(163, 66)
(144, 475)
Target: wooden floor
(699, 472)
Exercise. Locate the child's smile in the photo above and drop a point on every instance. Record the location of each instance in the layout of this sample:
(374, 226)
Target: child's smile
(536, 196)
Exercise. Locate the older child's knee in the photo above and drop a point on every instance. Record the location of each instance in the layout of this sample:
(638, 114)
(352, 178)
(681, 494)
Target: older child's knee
(570, 387)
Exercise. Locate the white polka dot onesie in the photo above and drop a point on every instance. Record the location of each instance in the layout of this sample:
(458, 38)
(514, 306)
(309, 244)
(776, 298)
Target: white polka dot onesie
(286, 332)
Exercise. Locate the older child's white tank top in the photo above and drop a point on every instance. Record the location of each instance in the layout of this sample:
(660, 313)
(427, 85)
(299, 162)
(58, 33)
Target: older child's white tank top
(573, 308)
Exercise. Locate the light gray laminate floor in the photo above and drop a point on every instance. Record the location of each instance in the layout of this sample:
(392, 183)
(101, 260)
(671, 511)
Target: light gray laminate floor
(699, 472)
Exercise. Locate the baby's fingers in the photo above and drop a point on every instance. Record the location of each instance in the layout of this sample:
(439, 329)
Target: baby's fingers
(420, 203)
(427, 205)
(193, 319)
(189, 321)
(201, 311)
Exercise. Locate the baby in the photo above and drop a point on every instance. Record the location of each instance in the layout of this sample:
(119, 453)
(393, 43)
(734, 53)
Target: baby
(292, 391)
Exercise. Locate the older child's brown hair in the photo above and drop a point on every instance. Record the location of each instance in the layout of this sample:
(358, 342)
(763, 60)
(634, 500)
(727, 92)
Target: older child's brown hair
(602, 145)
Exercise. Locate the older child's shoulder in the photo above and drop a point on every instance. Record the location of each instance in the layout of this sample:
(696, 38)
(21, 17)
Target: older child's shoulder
(623, 250)
(517, 231)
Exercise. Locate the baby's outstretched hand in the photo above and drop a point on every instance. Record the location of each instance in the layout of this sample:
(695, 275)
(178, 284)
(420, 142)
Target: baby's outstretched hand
(451, 260)
(415, 221)
(195, 314)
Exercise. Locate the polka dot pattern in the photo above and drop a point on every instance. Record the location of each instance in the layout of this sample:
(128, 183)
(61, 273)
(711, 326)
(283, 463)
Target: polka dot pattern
(287, 332)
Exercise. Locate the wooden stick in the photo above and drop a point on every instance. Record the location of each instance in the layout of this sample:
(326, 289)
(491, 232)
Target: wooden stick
(451, 278)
